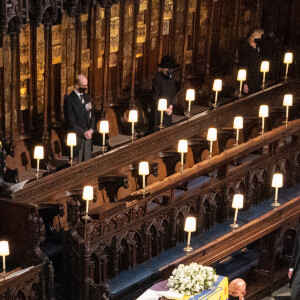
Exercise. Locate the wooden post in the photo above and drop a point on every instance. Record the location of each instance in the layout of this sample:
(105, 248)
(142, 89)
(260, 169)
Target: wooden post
(134, 48)
(235, 32)
(196, 36)
(209, 39)
(93, 48)
(46, 80)
(119, 78)
(161, 25)
(78, 46)
(186, 15)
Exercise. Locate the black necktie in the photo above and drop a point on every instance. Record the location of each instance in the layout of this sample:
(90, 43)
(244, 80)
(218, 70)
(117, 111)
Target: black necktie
(81, 98)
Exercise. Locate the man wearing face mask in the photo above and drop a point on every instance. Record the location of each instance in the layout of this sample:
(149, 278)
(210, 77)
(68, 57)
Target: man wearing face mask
(237, 289)
(80, 118)
(251, 60)
(163, 86)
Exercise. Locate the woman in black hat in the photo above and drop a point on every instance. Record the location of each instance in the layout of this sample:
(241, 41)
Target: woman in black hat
(163, 86)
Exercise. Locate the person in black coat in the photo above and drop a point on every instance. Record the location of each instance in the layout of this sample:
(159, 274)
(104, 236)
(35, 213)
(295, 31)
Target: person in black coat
(251, 61)
(294, 271)
(80, 118)
(163, 86)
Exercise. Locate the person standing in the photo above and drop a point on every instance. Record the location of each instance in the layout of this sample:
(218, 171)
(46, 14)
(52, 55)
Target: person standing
(163, 86)
(80, 118)
(251, 60)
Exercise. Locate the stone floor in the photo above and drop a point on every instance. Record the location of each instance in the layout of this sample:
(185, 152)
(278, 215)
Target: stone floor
(281, 294)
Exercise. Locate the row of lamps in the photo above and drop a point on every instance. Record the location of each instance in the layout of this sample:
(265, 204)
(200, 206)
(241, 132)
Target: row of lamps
(241, 77)
(237, 203)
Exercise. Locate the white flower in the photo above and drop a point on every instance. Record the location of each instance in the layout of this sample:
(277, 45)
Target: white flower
(191, 279)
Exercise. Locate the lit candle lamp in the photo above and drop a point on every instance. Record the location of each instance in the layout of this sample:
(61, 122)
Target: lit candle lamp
(242, 75)
(190, 96)
(217, 87)
(237, 204)
(189, 227)
(288, 59)
(277, 182)
(211, 137)
(133, 118)
(103, 128)
(162, 106)
(4, 251)
(182, 148)
(87, 195)
(237, 124)
(38, 154)
(263, 113)
(287, 102)
(71, 142)
(144, 170)
(264, 68)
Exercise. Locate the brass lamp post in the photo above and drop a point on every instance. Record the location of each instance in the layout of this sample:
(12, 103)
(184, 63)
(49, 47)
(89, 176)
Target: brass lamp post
(237, 203)
(189, 227)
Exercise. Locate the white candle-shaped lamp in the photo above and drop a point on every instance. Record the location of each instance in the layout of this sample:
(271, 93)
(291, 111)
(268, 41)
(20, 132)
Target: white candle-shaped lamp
(189, 227)
(71, 142)
(263, 113)
(103, 128)
(277, 182)
(144, 170)
(238, 124)
(4, 251)
(242, 75)
(87, 195)
(162, 106)
(132, 118)
(237, 203)
(182, 148)
(38, 154)
(211, 137)
(264, 68)
(287, 102)
(288, 59)
(217, 87)
(190, 96)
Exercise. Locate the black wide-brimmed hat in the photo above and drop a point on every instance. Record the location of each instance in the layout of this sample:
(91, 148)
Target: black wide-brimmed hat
(168, 62)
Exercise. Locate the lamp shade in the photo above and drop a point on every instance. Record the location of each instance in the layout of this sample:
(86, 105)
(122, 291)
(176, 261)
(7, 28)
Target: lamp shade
(212, 134)
(88, 193)
(265, 66)
(288, 100)
(242, 75)
(143, 168)
(263, 111)
(182, 146)
(71, 139)
(190, 224)
(4, 248)
(190, 95)
(104, 127)
(162, 104)
(238, 122)
(38, 152)
(277, 180)
(217, 85)
(288, 58)
(238, 200)
(133, 116)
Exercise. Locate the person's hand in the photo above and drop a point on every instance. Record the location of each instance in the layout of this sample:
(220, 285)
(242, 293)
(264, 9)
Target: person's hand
(290, 273)
(245, 89)
(88, 134)
(169, 110)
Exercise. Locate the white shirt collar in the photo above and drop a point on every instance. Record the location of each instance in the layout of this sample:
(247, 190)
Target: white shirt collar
(77, 93)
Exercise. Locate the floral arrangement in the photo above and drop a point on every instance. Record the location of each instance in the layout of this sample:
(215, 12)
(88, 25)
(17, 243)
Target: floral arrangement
(191, 279)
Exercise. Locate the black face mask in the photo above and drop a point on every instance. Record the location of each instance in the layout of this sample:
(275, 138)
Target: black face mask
(169, 74)
(233, 298)
(258, 41)
(82, 90)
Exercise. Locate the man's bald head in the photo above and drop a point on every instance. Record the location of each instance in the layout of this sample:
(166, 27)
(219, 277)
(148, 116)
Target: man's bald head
(237, 288)
(81, 80)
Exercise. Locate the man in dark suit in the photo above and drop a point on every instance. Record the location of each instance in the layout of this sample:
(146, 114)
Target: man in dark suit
(294, 271)
(80, 118)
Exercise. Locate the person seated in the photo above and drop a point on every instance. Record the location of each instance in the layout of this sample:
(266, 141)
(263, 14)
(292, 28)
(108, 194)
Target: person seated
(237, 289)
